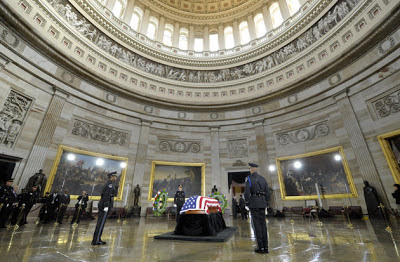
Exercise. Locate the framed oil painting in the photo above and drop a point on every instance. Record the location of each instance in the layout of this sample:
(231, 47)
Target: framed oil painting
(79, 170)
(328, 168)
(390, 144)
(170, 175)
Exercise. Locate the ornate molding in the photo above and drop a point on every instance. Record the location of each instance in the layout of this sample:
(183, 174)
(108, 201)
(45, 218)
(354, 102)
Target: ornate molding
(12, 117)
(108, 45)
(99, 132)
(303, 134)
(179, 146)
(238, 148)
(387, 105)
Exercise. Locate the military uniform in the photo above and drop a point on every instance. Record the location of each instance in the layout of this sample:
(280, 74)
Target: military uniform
(7, 198)
(106, 201)
(179, 200)
(256, 196)
(64, 200)
(80, 208)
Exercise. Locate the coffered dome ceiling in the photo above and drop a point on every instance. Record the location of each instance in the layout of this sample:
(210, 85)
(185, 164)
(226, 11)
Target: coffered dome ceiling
(288, 58)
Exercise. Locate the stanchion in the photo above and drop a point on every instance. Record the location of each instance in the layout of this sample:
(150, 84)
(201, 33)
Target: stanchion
(75, 225)
(126, 216)
(319, 223)
(58, 216)
(349, 225)
(291, 220)
(388, 228)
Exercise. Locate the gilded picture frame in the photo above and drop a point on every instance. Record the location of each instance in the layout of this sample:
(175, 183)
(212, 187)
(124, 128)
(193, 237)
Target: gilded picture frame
(385, 142)
(78, 170)
(328, 168)
(169, 175)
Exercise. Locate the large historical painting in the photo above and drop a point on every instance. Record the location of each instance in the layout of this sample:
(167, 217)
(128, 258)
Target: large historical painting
(327, 168)
(79, 170)
(170, 175)
(391, 147)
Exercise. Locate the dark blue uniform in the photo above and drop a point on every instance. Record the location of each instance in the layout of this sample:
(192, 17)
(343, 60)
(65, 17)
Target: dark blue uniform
(107, 200)
(256, 195)
(179, 200)
(7, 198)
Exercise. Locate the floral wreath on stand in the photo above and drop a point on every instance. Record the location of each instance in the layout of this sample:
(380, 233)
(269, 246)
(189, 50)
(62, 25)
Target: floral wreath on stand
(223, 202)
(160, 202)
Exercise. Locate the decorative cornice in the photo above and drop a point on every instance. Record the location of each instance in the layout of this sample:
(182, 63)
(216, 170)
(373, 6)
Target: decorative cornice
(303, 134)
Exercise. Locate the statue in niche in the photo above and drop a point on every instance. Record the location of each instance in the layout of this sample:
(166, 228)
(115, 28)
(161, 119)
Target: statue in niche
(4, 125)
(136, 193)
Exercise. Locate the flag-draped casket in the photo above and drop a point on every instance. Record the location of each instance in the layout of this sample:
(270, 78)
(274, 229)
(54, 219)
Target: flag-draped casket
(200, 216)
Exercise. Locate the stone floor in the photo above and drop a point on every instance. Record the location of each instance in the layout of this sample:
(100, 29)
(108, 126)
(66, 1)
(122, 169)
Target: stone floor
(132, 240)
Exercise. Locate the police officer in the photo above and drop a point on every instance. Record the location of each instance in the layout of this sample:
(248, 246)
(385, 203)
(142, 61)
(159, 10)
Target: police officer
(80, 207)
(7, 198)
(256, 195)
(105, 204)
(179, 200)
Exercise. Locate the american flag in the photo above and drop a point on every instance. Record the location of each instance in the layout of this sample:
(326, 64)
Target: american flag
(200, 203)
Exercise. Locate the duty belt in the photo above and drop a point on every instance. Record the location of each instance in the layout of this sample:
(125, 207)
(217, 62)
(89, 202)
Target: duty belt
(258, 194)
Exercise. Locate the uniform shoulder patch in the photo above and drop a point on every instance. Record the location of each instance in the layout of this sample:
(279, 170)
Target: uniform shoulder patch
(110, 185)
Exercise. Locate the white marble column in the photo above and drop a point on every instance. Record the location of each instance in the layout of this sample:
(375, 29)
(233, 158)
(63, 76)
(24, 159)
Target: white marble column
(191, 38)
(252, 27)
(160, 29)
(221, 37)
(236, 35)
(302, 2)
(359, 146)
(141, 155)
(284, 9)
(175, 35)
(128, 11)
(206, 39)
(145, 21)
(262, 151)
(44, 137)
(215, 164)
(267, 19)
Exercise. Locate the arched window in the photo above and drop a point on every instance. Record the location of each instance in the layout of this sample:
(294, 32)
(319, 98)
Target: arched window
(244, 33)
(183, 38)
(293, 6)
(152, 27)
(168, 32)
(198, 43)
(276, 15)
(214, 45)
(229, 40)
(136, 18)
(118, 8)
(260, 26)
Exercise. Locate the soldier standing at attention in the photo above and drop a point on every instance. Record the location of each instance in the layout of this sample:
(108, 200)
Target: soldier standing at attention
(7, 198)
(179, 200)
(105, 204)
(256, 195)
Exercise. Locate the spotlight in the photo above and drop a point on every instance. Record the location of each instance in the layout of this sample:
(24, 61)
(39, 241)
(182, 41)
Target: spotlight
(338, 157)
(297, 164)
(123, 165)
(71, 157)
(99, 162)
(272, 168)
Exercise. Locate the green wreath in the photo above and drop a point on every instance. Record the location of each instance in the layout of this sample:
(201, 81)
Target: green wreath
(223, 202)
(160, 202)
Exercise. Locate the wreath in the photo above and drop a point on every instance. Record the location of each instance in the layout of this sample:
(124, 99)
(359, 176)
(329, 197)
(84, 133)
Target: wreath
(223, 202)
(160, 202)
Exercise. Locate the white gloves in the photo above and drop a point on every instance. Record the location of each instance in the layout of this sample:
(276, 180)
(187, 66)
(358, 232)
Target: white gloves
(247, 208)
(174, 205)
(266, 211)
(23, 204)
(105, 209)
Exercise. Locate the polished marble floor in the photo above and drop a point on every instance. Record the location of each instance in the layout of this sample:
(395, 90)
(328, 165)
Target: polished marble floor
(132, 240)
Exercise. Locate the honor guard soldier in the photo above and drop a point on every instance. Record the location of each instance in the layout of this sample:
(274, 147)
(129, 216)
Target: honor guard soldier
(179, 200)
(80, 207)
(64, 202)
(256, 196)
(7, 198)
(105, 204)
